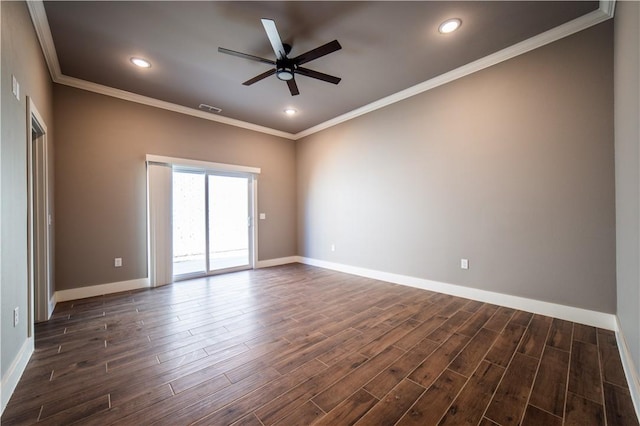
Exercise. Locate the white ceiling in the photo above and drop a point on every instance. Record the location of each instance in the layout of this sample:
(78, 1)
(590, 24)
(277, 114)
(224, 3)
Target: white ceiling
(390, 50)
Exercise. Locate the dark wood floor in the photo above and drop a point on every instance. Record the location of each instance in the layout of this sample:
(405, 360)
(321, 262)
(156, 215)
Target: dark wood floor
(296, 345)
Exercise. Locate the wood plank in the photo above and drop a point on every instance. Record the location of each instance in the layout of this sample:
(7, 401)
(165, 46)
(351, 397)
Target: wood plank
(389, 409)
(453, 307)
(522, 318)
(560, 334)
(584, 333)
(199, 400)
(249, 402)
(535, 417)
(506, 344)
(366, 335)
(469, 406)
(477, 320)
(413, 337)
(510, 400)
(300, 357)
(289, 402)
(339, 391)
(389, 338)
(581, 411)
(617, 402)
(77, 412)
(350, 410)
(306, 414)
(431, 406)
(549, 389)
(584, 371)
(380, 385)
(473, 306)
(471, 356)
(429, 370)
(500, 319)
(446, 330)
(267, 359)
(115, 413)
(534, 338)
(610, 361)
(249, 420)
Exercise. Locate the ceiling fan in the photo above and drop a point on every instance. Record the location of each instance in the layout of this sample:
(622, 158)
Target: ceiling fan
(286, 68)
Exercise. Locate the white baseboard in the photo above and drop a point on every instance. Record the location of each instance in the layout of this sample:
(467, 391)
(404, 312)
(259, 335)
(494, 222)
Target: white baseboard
(569, 313)
(101, 289)
(277, 262)
(630, 370)
(12, 376)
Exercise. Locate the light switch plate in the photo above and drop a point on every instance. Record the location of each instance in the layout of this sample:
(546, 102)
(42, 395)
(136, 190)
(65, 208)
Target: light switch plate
(464, 263)
(117, 262)
(263, 216)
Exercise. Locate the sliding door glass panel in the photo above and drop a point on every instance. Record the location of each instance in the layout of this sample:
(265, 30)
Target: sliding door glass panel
(228, 222)
(189, 228)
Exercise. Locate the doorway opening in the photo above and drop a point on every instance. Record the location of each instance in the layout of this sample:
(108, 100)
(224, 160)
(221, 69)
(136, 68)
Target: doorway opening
(212, 222)
(41, 301)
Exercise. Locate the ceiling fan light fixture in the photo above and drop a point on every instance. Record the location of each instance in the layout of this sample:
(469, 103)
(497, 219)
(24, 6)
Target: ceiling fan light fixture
(141, 63)
(449, 26)
(284, 74)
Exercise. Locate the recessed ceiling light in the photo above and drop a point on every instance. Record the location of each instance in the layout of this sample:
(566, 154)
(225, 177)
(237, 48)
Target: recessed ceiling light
(209, 108)
(290, 111)
(142, 63)
(450, 25)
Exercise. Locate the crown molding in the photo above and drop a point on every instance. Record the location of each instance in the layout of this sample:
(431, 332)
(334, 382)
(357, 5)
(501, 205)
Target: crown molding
(43, 31)
(583, 22)
(41, 24)
(145, 100)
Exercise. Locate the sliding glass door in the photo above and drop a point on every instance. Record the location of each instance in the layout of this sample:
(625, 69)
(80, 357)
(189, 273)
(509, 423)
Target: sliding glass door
(229, 221)
(189, 227)
(212, 222)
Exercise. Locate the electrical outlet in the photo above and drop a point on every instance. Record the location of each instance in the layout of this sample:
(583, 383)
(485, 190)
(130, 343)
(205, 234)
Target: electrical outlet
(464, 263)
(263, 216)
(16, 316)
(117, 262)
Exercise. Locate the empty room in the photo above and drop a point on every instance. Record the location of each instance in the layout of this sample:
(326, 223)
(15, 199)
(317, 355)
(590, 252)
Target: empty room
(308, 212)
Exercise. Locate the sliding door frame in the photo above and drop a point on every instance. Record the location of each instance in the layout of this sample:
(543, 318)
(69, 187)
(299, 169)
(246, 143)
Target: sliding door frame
(188, 165)
(251, 222)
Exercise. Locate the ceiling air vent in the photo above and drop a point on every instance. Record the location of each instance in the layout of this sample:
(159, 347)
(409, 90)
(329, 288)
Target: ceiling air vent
(209, 108)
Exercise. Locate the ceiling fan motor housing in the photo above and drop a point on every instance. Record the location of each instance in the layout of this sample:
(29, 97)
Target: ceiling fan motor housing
(285, 69)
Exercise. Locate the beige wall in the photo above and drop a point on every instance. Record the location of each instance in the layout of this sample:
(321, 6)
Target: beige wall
(22, 57)
(511, 167)
(101, 144)
(627, 146)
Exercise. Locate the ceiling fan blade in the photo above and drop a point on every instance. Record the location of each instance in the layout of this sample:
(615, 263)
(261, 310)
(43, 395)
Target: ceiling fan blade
(293, 87)
(260, 77)
(246, 56)
(319, 75)
(274, 38)
(318, 52)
